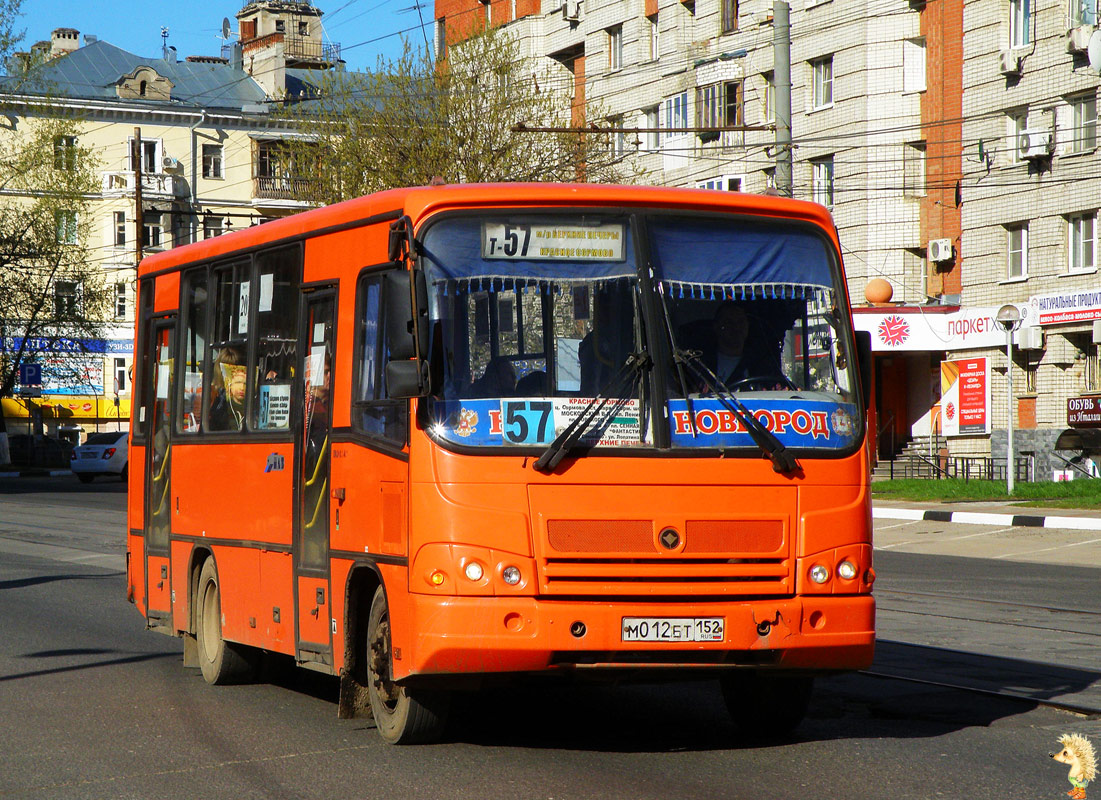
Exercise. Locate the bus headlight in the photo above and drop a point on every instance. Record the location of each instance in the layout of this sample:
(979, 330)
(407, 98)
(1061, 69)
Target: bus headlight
(819, 574)
(510, 575)
(846, 570)
(473, 571)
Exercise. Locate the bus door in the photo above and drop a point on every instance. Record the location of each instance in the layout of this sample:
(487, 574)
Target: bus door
(159, 411)
(313, 629)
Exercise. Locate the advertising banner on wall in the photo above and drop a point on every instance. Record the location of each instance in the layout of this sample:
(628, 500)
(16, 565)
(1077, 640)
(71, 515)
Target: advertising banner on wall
(965, 396)
(912, 328)
(1073, 305)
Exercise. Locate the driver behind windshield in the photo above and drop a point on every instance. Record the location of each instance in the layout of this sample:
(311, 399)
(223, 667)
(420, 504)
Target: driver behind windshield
(736, 350)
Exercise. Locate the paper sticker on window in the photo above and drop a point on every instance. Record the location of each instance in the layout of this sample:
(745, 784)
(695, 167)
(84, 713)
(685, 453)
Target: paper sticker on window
(242, 308)
(267, 289)
(315, 368)
(275, 406)
(162, 381)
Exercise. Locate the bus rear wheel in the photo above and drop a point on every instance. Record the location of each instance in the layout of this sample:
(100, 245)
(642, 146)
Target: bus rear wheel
(403, 715)
(766, 705)
(221, 662)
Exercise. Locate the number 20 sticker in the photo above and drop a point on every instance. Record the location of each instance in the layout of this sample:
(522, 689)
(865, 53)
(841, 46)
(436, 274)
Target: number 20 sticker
(527, 421)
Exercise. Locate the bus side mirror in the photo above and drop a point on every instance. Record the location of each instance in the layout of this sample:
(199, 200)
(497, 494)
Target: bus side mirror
(406, 323)
(405, 379)
(864, 361)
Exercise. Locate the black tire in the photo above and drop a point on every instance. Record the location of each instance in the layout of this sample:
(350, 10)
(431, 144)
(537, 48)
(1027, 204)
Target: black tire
(84, 478)
(221, 662)
(770, 706)
(125, 472)
(402, 715)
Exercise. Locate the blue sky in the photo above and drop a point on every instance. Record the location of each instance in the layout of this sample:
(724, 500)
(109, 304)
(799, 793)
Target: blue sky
(365, 29)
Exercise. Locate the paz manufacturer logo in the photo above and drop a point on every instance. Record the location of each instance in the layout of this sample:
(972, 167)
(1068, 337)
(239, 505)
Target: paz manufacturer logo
(894, 330)
(275, 463)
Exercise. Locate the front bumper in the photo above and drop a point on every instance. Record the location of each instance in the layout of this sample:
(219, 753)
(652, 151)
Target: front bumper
(477, 635)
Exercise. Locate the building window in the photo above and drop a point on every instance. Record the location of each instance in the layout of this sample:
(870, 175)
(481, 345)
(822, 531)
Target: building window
(151, 230)
(615, 47)
(769, 96)
(822, 180)
(149, 161)
(120, 300)
(65, 152)
(1083, 12)
(65, 222)
(719, 105)
(730, 15)
(676, 115)
(618, 138)
(1016, 122)
(212, 161)
(1082, 242)
(1020, 19)
(913, 169)
(280, 26)
(120, 228)
(213, 226)
(120, 375)
(913, 65)
(651, 121)
(724, 183)
(655, 40)
(823, 81)
(1092, 373)
(1085, 123)
(1016, 252)
(66, 299)
(303, 28)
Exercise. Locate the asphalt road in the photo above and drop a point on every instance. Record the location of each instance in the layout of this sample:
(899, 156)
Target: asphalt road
(93, 706)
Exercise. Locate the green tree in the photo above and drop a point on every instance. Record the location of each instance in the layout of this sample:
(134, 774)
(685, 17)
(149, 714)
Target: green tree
(414, 120)
(51, 289)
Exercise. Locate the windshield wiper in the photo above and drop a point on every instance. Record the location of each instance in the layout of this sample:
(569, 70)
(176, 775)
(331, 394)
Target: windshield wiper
(614, 389)
(782, 461)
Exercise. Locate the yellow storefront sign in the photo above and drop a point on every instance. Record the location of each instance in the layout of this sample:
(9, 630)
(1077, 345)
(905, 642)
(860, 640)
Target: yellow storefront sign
(68, 407)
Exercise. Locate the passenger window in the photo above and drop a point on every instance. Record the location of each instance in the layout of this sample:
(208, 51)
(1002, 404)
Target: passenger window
(278, 274)
(194, 355)
(373, 413)
(229, 349)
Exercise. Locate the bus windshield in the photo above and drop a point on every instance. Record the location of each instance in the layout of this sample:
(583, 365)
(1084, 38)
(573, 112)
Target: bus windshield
(538, 320)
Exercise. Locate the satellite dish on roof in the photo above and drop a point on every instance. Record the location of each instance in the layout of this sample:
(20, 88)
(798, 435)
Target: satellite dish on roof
(1093, 51)
(225, 28)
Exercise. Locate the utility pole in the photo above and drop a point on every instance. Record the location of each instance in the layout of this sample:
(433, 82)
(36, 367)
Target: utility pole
(139, 217)
(781, 76)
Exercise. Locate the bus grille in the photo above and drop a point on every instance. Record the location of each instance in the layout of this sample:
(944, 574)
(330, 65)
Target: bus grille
(624, 557)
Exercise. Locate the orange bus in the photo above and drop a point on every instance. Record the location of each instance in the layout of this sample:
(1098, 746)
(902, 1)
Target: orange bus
(438, 435)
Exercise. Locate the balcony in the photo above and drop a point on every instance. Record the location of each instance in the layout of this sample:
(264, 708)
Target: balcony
(300, 49)
(292, 191)
(154, 185)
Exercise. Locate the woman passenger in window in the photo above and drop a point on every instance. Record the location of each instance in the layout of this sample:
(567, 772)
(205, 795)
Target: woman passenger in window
(228, 384)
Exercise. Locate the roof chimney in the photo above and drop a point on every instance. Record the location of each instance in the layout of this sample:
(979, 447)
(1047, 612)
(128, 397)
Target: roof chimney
(64, 41)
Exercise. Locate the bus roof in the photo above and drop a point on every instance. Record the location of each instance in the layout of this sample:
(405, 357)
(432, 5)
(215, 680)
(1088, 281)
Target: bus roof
(420, 202)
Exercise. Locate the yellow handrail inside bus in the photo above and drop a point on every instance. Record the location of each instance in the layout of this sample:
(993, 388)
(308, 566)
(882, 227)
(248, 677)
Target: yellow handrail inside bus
(159, 479)
(320, 458)
(317, 508)
(164, 464)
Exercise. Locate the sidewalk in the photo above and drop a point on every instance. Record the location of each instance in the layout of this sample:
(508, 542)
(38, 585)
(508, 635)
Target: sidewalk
(990, 513)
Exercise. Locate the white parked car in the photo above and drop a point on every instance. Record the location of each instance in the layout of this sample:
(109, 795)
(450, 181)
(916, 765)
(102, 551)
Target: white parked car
(102, 454)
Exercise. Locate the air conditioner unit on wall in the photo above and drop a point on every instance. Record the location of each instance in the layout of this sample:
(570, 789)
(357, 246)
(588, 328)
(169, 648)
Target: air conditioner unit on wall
(1078, 39)
(168, 162)
(1009, 63)
(1034, 144)
(940, 250)
(571, 10)
(1030, 338)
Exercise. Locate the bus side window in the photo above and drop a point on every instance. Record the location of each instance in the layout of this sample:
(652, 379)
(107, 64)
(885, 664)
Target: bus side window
(228, 379)
(375, 414)
(197, 309)
(277, 336)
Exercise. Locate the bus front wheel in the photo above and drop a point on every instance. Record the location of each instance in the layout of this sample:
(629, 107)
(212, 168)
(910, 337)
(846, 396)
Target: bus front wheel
(403, 715)
(221, 662)
(766, 705)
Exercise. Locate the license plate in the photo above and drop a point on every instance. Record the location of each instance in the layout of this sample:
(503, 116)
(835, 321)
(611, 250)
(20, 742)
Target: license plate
(672, 629)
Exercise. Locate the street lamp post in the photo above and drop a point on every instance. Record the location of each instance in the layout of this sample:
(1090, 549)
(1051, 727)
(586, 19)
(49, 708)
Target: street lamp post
(1009, 317)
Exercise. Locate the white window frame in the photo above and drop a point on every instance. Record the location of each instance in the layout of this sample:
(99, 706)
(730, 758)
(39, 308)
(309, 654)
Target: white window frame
(152, 230)
(152, 156)
(822, 82)
(822, 180)
(723, 183)
(120, 300)
(655, 38)
(1016, 124)
(214, 155)
(210, 229)
(1020, 23)
(118, 229)
(121, 373)
(769, 79)
(651, 121)
(674, 115)
(1016, 262)
(1082, 12)
(1082, 243)
(913, 65)
(1084, 121)
(617, 140)
(615, 47)
(65, 153)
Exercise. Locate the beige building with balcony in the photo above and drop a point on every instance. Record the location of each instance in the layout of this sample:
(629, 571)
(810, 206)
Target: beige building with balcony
(211, 159)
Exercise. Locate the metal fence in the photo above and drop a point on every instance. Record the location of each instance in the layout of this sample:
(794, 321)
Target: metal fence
(982, 468)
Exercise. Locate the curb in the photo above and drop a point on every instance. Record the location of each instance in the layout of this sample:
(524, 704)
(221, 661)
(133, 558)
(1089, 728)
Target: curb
(980, 518)
(40, 473)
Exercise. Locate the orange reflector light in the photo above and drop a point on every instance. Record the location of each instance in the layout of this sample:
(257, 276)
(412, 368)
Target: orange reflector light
(437, 578)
